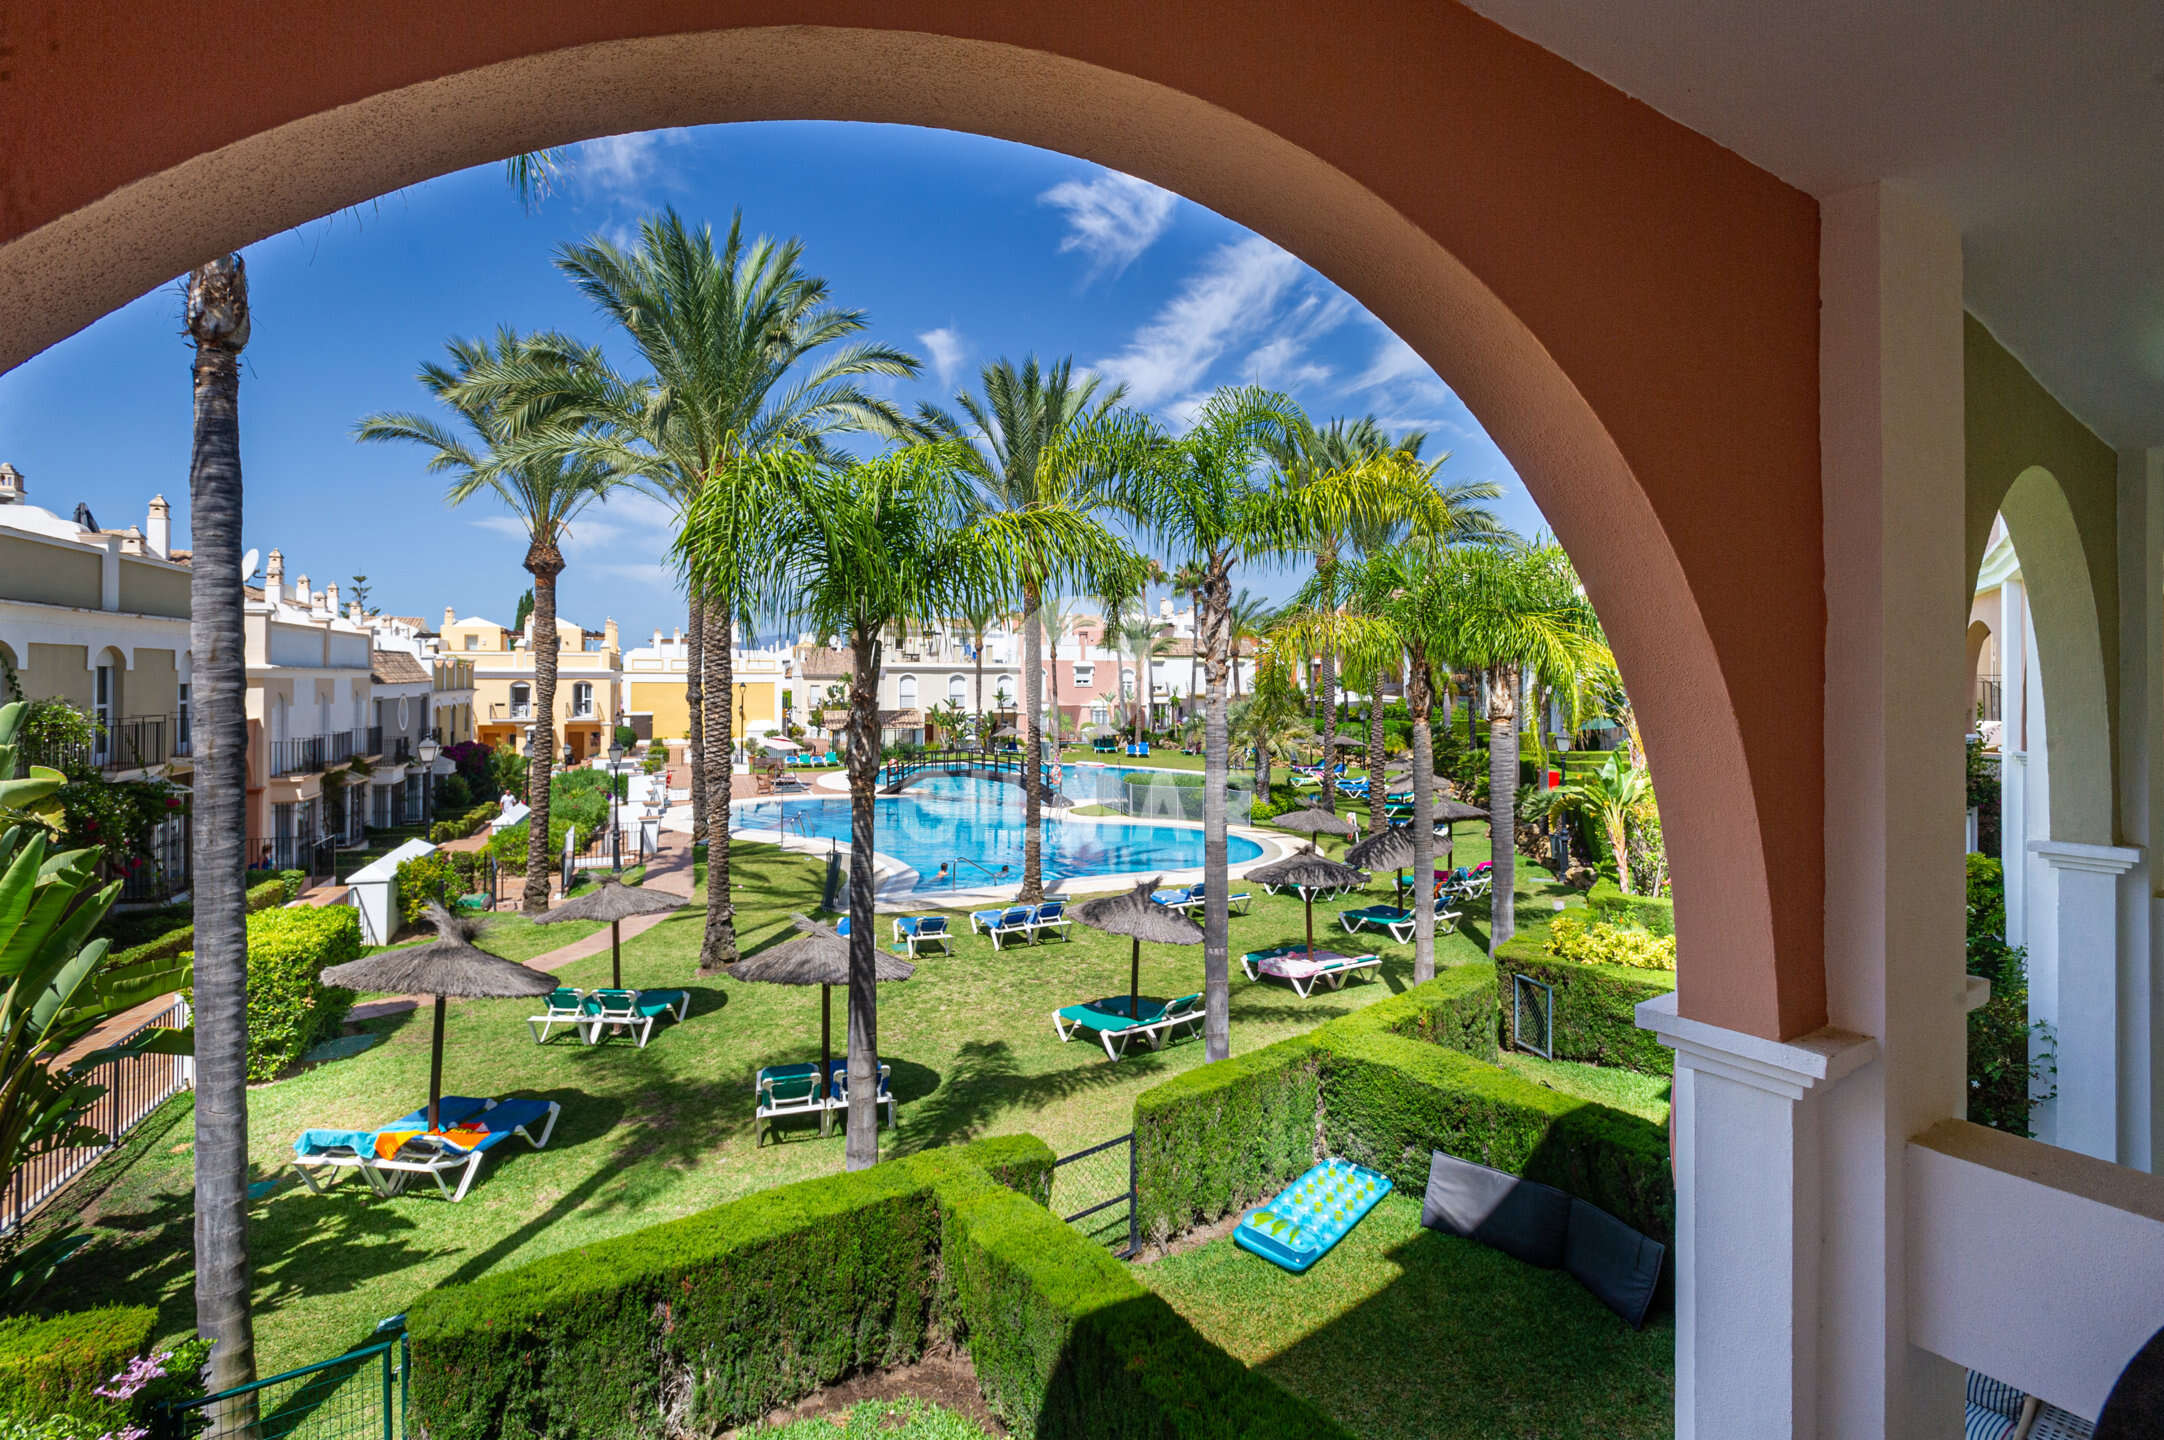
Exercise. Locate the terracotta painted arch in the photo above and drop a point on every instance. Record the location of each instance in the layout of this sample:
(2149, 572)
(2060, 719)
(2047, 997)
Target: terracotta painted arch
(1631, 310)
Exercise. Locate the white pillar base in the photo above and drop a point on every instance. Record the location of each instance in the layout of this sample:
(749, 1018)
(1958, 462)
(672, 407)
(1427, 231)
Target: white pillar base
(2074, 987)
(1746, 1125)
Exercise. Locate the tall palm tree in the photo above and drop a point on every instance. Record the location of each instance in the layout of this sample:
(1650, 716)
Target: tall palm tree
(1142, 637)
(508, 450)
(1187, 580)
(747, 353)
(218, 326)
(1247, 618)
(1036, 447)
(853, 550)
(1509, 612)
(1060, 619)
(979, 616)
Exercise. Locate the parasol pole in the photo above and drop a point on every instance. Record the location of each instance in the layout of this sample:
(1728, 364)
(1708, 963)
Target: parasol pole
(1307, 895)
(435, 1074)
(826, 1035)
(1134, 980)
(616, 956)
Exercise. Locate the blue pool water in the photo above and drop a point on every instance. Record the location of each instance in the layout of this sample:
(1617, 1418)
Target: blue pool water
(941, 819)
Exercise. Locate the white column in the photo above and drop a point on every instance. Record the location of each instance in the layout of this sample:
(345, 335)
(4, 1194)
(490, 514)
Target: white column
(1892, 441)
(1749, 1160)
(2078, 995)
(2141, 804)
(2015, 643)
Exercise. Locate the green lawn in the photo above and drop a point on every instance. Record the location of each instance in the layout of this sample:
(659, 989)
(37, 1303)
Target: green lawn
(1645, 1095)
(651, 1135)
(1405, 1334)
(905, 1419)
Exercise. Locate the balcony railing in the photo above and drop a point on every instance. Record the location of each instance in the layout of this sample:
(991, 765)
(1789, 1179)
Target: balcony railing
(341, 746)
(290, 852)
(401, 749)
(300, 757)
(1990, 699)
(501, 711)
(138, 741)
(372, 742)
(163, 873)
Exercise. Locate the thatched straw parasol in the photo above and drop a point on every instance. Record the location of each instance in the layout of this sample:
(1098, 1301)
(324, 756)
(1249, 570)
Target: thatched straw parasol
(1006, 732)
(448, 965)
(819, 956)
(1134, 914)
(1314, 820)
(1390, 849)
(1345, 741)
(614, 902)
(1309, 870)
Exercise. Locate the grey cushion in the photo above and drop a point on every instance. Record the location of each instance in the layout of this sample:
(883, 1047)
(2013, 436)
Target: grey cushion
(1615, 1262)
(1981, 1422)
(1993, 1394)
(1523, 1218)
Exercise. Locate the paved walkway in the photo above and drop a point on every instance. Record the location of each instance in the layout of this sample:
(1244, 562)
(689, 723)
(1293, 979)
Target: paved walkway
(670, 871)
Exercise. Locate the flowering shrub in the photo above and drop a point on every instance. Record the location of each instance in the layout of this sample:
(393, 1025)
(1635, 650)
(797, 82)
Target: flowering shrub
(121, 1407)
(1572, 939)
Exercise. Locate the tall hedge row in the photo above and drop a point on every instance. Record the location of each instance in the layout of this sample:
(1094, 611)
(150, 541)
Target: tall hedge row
(290, 1009)
(159, 962)
(1609, 903)
(1389, 1102)
(1384, 1086)
(49, 1366)
(711, 1320)
(1596, 1006)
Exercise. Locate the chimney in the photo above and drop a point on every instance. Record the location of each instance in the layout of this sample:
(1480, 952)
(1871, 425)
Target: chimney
(330, 599)
(353, 611)
(657, 637)
(301, 595)
(450, 617)
(609, 638)
(676, 634)
(159, 530)
(14, 490)
(274, 576)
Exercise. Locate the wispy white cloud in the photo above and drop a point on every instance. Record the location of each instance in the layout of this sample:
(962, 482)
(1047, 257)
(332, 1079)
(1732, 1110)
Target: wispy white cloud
(1232, 296)
(1394, 360)
(1111, 218)
(1281, 363)
(622, 165)
(947, 350)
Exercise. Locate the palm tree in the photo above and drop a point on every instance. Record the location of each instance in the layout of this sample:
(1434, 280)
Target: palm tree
(1059, 619)
(747, 355)
(1248, 617)
(853, 550)
(218, 326)
(978, 616)
(1610, 794)
(1508, 612)
(1187, 580)
(1147, 644)
(1271, 722)
(514, 448)
(1037, 448)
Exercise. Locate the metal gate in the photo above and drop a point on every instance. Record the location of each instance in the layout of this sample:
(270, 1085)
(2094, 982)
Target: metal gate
(360, 1395)
(1532, 1016)
(1094, 1191)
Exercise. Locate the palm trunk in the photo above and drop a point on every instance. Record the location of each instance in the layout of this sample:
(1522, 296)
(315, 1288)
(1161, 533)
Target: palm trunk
(984, 731)
(1418, 700)
(218, 324)
(1032, 749)
(1326, 688)
(1216, 770)
(1262, 767)
(718, 947)
(1502, 804)
(545, 563)
(861, 1148)
(695, 703)
(1376, 787)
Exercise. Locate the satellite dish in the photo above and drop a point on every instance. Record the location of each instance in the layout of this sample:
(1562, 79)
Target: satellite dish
(247, 564)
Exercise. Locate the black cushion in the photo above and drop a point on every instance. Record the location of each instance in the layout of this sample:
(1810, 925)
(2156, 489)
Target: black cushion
(1612, 1260)
(1523, 1218)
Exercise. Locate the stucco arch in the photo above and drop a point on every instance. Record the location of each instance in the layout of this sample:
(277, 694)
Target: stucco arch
(1631, 310)
(2070, 651)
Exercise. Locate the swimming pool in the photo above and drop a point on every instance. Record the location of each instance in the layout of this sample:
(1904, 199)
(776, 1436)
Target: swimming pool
(944, 819)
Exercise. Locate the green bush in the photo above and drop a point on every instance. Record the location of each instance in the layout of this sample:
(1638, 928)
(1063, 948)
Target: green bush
(1388, 1102)
(1601, 943)
(289, 1006)
(293, 882)
(50, 1366)
(1596, 1006)
(1643, 911)
(1455, 1010)
(722, 1315)
(177, 942)
(459, 827)
(1224, 1135)
(425, 880)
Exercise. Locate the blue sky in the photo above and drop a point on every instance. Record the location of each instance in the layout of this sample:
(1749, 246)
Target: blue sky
(961, 249)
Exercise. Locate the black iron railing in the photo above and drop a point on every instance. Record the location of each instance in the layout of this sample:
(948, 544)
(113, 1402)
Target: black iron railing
(370, 741)
(343, 744)
(163, 872)
(299, 757)
(310, 855)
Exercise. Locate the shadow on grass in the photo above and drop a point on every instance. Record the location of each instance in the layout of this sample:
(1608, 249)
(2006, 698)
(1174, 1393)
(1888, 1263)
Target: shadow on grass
(987, 1080)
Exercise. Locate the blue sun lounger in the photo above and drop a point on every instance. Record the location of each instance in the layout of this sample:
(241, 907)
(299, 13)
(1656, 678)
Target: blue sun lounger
(438, 1156)
(912, 932)
(1398, 921)
(1010, 923)
(1050, 918)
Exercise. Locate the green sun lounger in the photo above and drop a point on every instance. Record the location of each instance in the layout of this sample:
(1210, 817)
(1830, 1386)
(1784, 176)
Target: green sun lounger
(1108, 1019)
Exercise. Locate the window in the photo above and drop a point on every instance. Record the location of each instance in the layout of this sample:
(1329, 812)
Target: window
(521, 700)
(183, 744)
(1098, 715)
(101, 711)
(908, 691)
(1127, 682)
(1085, 674)
(957, 689)
(582, 698)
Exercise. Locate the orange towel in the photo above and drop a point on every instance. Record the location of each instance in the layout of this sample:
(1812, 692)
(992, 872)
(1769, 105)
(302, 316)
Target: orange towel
(465, 1137)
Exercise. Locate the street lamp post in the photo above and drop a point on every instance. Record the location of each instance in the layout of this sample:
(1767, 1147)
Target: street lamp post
(616, 829)
(426, 752)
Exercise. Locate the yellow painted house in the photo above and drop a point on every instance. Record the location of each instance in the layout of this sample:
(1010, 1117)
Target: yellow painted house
(656, 688)
(588, 682)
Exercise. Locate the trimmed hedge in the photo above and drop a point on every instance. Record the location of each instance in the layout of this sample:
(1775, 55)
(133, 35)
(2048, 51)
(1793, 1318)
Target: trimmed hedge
(1609, 903)
(126, 969)
(49, 1366)
(1389, 1102)
(1596, 1006)
(711, 1320)
(289, 1006)
(1223, 1136)
(472, 822)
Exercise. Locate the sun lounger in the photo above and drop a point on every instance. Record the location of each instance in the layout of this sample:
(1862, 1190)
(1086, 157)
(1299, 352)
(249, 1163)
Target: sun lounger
(913, 932)
(838, 1091)
(1177, 898)
(983, 920)
(565, 1006)
(635, 1011)
(338, 1151)
(1292, 964)
(784, 1090)
(1235, 903)
(1049, 918)
(1398, 921)
(458, 1151)
(1108, 1019)
(1011, 923)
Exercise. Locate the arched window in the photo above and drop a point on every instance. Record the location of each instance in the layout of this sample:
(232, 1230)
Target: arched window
(521, 700)
(582, 698)
(957, 689)
(908, 691)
